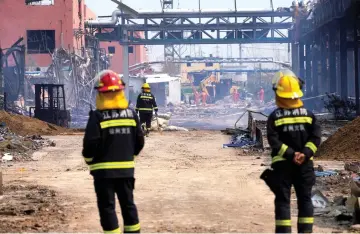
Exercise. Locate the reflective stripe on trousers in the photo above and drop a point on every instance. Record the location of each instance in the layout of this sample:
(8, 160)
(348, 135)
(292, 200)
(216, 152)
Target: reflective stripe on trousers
(144, 109)
(132, 228)
(112, 165)
(117, 230)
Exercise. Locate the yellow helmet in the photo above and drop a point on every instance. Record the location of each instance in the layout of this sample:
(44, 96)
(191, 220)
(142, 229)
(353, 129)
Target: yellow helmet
(145, 86)
(287, 85)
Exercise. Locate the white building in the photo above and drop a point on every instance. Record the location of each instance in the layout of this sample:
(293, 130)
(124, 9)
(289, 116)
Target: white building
(166, 89)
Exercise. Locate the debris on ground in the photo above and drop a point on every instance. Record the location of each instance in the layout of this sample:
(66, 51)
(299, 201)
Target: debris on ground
(19, 148)
(174, 128)
(241, 141)
(343, 144)
(333, 196)
(31, 208)
(161, 122)
(24, 125)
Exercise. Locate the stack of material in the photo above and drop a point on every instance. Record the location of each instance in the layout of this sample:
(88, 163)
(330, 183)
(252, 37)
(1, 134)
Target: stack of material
(161, 122)
(344, 144)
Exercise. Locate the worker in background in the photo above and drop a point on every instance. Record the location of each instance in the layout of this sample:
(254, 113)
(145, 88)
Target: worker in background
(294, 136)
(236, 96)
(145, 105)
(113, 137)
(197, 98)
(261, 95)
(203, 97)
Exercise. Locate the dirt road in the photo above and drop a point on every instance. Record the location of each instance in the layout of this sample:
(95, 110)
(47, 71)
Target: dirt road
(185, 182)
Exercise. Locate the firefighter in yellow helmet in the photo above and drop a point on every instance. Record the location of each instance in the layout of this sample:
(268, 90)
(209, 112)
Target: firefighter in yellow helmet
(145, 105)
(113, 136)
(294, 136)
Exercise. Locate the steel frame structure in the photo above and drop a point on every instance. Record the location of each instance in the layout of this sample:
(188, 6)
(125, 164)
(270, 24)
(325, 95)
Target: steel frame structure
(169, 50)
(237, 70)
(171, 27)
(212, 60)
(239, 27)
(328, 50)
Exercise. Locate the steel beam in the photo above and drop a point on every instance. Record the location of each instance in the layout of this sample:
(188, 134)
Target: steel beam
(178, 13)
(332, 57)
(301, 60)
(295, 58)
(237, 70)
(356, 63)
(169, 50)
(202, 41)
(125, 66)
(175, 28)
(324, 81)
(343, 59)
(315, 69)
(222, 26)
(308, 69)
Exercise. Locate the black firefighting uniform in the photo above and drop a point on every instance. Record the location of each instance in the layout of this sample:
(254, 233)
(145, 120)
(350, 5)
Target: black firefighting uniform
(290, 131)
(112, 139)
(146, 104)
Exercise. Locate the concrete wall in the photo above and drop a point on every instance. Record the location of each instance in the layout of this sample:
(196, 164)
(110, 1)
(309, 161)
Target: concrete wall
(65, 16)
(16, 17)
(174, 95)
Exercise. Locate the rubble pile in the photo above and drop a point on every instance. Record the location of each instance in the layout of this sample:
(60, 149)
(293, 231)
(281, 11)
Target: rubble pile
(331, 197)
(31, 208)
(14, 147)
(343, 144)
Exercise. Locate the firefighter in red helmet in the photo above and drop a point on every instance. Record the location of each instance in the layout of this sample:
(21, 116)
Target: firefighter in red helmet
(113, 136)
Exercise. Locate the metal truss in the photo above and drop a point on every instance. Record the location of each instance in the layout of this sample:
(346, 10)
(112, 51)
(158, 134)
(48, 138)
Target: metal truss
(211, 60)
(173, 27)
(237, 70)
(169, 50)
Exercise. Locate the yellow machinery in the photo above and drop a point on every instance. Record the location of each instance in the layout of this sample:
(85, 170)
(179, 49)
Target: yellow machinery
(233, 88)
(207, 81)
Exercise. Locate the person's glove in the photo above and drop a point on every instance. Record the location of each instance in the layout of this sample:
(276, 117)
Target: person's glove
(156, 113)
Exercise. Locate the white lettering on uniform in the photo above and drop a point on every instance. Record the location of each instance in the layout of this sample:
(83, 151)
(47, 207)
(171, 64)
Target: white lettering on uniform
(129, 114)
(278, 114)
(303, 111)
(106, 115)
(291, 128)
(115, 114)
(296, 112)
(287, 112)
(123, 114)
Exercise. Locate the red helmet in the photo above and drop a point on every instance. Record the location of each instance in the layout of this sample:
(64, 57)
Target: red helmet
(109, 81)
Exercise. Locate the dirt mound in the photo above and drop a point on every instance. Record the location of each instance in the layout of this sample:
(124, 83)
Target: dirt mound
(343, 144)
(31, 208)
(24, 125)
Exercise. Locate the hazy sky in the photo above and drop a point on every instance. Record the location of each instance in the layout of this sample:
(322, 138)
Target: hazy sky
(106, 7)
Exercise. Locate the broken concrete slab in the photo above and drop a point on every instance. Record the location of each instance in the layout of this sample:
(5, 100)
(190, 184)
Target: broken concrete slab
(352, 166)
(38, 155)
(319, 200)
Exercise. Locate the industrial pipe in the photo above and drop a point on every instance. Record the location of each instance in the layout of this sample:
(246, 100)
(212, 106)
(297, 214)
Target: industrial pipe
(114, 19)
